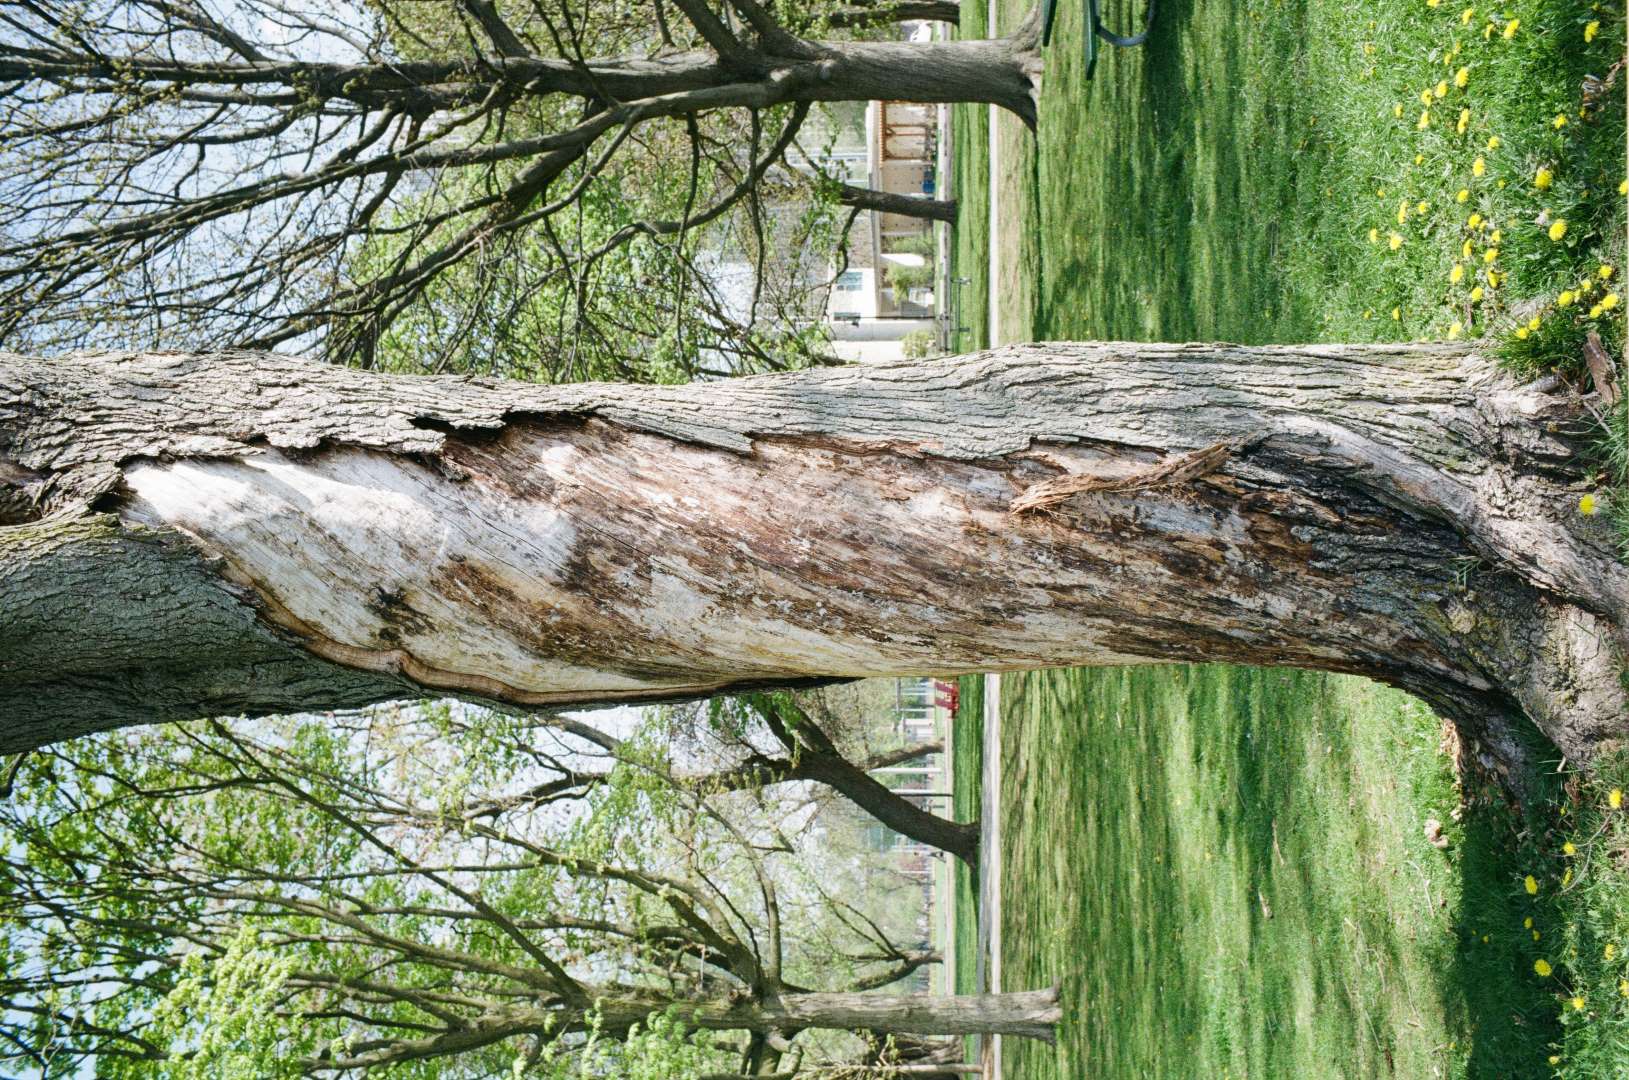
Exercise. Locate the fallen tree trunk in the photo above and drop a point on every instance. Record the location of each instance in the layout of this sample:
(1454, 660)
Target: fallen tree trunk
(239, 532)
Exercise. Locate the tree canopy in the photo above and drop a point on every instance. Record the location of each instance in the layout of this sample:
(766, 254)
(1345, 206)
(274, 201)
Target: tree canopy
(520, 187)
(439, 889)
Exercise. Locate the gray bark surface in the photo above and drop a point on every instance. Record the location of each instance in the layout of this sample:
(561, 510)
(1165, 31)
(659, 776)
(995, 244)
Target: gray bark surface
(1402, 512)
(889, 202)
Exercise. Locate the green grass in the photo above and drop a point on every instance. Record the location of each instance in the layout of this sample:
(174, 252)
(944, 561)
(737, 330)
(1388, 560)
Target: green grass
(1226, 870)
(967, 763)
(1222, 184)
(1592, 928)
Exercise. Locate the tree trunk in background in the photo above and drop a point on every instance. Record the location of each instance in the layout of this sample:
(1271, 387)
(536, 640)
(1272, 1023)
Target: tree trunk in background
(1030, 1014)
(888, 202)
(239, 532)
(818, 758)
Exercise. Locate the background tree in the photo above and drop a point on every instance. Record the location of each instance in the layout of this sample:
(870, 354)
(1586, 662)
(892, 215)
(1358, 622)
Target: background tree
(406, 175)
(335, 894)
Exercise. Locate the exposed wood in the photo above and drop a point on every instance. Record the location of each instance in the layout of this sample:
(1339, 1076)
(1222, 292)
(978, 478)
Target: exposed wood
(1173, 473)
(1403, 512)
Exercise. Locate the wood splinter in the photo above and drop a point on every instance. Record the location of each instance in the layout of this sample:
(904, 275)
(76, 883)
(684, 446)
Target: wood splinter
(1171, 473)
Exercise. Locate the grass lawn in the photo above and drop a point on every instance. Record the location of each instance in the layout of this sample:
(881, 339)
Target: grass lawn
(1227, 871)
(1260, 173)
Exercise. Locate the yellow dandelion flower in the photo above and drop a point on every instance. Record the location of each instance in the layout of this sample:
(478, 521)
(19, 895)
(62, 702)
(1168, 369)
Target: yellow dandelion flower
(1380, 193)
(1369, 314)
(1531, 885)
(1374, 236)
(1397, 110)
(1591, 28)
(1595, 311)
(1493, 142)
(1433, 3)
(1466, 16)
(1542, 967)
(1455, 329)
(1457, 274)
(1610, 951)
(1511, 27)
(1560, 121)
(1464, 121)
(1424, 121)
(1521, 333)
(1623, 187)
(1558, 228)
(1421, 207)
(1477, 294)
(1463, 195)
(1535, 935)
(1543, 179)
(1474, 221)
(1615, 798)
(1465, 250)
(1527, 923)
(1534, 323)
(1487, 31)
(1586, 287)
(1555, 1059)
(1490, 254)
(1461, 77)
(1605, 272)
(1396, 314)
(1494, 277)
(1577, 1003)
(1402, 211)
(1418, 158)
(1623, 987)
(1498, 235)
(1479, 167)
(1565, 299)
(1425, 96)
(1569, 848)
(1609, 301)
(1440, 90)
(1394, 240)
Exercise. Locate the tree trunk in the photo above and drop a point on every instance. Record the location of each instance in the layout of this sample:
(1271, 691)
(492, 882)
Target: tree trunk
(889, 202)
(868, 14)
(1000, 71)
(819, 759)
(1030, 1014)
(241, 532)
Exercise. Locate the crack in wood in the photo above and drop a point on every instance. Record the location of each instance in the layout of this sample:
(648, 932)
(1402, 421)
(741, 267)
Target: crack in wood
(1170, 473)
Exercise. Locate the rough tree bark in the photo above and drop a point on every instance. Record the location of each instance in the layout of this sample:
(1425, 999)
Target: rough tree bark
(241, 532)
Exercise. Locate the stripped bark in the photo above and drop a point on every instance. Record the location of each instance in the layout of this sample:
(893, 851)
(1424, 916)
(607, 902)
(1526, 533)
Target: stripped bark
(240, 531)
